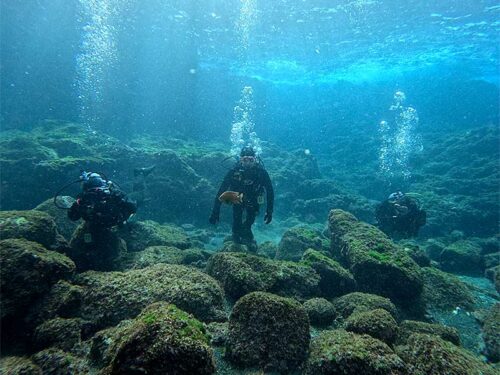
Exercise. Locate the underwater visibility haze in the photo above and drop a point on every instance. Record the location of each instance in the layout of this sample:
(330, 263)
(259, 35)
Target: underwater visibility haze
(243, 186)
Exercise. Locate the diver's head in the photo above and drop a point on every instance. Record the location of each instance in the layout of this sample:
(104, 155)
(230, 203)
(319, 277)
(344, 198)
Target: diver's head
(394, 197)
(91, 180)
(247, 157)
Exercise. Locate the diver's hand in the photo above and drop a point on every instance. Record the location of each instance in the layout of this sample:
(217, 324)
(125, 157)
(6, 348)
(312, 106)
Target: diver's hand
(214, 218)
(268, 217)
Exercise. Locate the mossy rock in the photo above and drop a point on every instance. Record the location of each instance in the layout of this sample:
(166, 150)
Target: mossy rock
(218, 333)
(335, 280)
(240, 274)
(341, 352)
(409, 327)
(105, 344)
(110, 297)
(59, 333)
(18, 366)
(162, 254)
(65, 226)
(429, 354)
(296, 241)
(57, 362)
(31, 225)
(268, 249)
(142, 234)
(378, 265)
(164, 340)
(494, 275)
(269, 332)
(462, 257)
(320, 311)
(377, 323)
(491, 334)
(361, 302)
(443, 291)
(28, 271)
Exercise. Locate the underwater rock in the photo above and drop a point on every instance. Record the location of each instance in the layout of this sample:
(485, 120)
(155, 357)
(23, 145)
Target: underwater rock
(142, 234)
(434, 248)
(105, 344)
(164, 340)
(335, 280)
(57, 362)
(65, 226)
(268, 331)
(360, 302)
(491, 260)
(377, 323)
(494, 275)
(320, 311)
(347, 353)
(95, 250)
(463, 257)
(268, 249)
(429, 354)
(443, 291)
(378, 265)
(240, 274)
(31, 225)
(408, 327)
(218, 333)
(28, 271)
(491, 334)
(18, 366)
(59, 333)
(163, 254)
(110, 297)
(296, 241)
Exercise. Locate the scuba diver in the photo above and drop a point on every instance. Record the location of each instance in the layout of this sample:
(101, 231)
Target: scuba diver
(400, 215)
(244, 186)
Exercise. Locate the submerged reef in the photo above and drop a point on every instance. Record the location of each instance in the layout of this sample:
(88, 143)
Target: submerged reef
(167, 294)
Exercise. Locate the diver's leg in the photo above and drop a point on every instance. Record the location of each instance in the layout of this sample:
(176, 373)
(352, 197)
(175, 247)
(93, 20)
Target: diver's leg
(237, 222)
(251, 213)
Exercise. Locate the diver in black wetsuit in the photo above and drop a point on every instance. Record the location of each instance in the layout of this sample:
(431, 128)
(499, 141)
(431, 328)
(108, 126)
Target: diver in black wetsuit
(249, 179)
(400, 216)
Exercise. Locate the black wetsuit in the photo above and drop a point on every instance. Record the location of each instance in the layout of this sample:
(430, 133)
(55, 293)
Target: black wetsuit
(402, 217)
(251, 182)
(102, 208)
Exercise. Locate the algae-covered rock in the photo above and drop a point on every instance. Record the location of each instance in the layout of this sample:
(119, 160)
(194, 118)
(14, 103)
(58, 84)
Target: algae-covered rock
(218, 333)
(141, 234)
(320, 311)
(95, 249)
(462, 257)
(57, 362)
(360, 302)
(494, 275)
(378, 265)
(18, 366)
(164, 340)
(109, 297)
(268, 331)
(105, 343)
(268, 249)
(491, 334)
(377, 323)
(335, 280)
(163, 254)
(408, 327)
(429, 354)
(28, 271)
(296, 241)
(59, 333)
(443, 291)
(65, 226)
(240, 274)
(341, 352)
(31, 225)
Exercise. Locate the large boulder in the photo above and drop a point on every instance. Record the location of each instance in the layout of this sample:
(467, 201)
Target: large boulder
(320, 311)
(28, 271)
(429, 354)
(19, 366)
(409, 327)
(164, 340)
(360, 302)
(378, 265)
(163, 254)
(377, 323)
(31, 225)
(347, 353)
(57, 362)
(240, 274)
(142, 234)
(268, 331)
(109, 297)
(335, 280)
(296, 241)
(462, 257)
(59, 333)
(105, 344)
(491, 334)
(65, 226)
